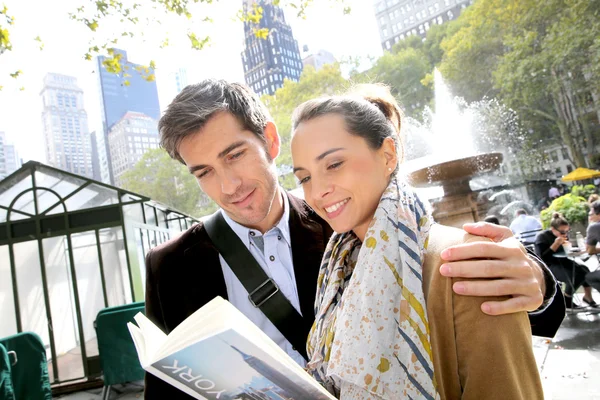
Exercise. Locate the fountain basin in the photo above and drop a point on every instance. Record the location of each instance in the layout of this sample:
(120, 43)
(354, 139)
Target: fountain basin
(457, 206)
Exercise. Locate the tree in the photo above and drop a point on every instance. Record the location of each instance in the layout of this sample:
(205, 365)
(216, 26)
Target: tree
(167, 181)
(110, 21)
(312, 84)
(536, 60)
(405, 72)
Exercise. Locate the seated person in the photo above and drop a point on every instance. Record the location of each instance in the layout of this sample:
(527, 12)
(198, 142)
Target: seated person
(547, 244)
(525, 227)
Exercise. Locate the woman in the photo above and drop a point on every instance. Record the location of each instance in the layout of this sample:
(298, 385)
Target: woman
(388, 325)
(548, 246)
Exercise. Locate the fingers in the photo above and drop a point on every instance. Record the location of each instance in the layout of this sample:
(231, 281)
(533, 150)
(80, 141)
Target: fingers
(512, 305)
(485, 269)
(495, 232)
(500, 287)
(473, 250)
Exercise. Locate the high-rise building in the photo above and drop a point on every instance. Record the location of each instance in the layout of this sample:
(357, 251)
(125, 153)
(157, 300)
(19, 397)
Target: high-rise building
(9, 159)
(119, 94)
(267, 62)
(319, 59)
(65, 125)
(399, 19)
(129, 138)
(171, 86)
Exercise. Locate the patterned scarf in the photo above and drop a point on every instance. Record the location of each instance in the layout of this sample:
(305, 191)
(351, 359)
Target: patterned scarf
(371, 327)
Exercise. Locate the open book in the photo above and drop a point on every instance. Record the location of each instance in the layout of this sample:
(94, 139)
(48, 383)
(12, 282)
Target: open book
(218, 353)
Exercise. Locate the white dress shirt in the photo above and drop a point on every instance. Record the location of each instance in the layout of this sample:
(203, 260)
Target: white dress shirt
(525, 223)
(277, 263)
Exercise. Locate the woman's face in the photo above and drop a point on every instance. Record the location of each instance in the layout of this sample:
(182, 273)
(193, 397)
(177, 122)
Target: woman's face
(342, 177)
(563, 230)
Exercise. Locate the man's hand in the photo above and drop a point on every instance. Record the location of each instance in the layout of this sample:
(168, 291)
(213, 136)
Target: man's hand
(504, 267)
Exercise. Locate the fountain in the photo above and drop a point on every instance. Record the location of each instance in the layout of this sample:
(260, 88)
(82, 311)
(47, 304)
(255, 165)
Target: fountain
(454, 162)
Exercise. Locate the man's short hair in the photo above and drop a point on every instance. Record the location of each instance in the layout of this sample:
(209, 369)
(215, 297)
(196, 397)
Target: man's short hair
(521, 211)
(196, 104)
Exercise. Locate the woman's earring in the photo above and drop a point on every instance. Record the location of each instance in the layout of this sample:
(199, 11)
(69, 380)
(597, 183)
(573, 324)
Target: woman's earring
(389, 169)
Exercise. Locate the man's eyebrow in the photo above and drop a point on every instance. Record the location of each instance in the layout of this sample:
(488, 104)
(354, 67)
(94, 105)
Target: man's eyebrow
(320, 157)
(222, 154)
(232, 146)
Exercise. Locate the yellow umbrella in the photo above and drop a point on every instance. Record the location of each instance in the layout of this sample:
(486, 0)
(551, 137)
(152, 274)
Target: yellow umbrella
(581, 174)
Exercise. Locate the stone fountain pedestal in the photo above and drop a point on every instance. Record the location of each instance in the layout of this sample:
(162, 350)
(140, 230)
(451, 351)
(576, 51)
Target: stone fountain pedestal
(458, 205)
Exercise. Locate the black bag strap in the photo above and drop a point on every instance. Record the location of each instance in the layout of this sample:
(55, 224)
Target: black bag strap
(263, 291)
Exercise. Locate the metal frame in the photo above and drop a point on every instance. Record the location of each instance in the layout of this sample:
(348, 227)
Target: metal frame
(41, 225)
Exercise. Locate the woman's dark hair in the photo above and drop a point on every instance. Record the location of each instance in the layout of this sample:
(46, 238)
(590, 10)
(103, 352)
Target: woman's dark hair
(492, 219)
(558, 220)
(595, 206)
(369, 111)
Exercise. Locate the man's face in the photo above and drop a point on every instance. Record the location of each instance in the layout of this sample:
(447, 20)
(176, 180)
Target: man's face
(234, 167)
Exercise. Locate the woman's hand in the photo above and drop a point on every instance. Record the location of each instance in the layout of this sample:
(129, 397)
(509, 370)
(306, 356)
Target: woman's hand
(503, 266)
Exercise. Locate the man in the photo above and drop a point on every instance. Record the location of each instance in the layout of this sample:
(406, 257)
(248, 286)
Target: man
(525, 226)
(593, 229)
(225, 136)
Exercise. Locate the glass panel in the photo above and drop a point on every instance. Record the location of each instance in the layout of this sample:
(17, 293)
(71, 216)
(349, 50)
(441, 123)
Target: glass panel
(7, 303)
(25, 203)
(123, 262)
(61, 183)
(45, 199)
(150, 216)
(115, 270)
(15, 216)
(133, 212)
(92, 196)
(141, 244)
(129, 197)
(10, 188)
(31, 292)
(62, 307)
(3, 215)
(162, 216)
(89, 284)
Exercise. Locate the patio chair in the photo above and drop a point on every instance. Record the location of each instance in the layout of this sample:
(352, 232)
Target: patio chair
(118, 357)
(6, 388)
(29, 373)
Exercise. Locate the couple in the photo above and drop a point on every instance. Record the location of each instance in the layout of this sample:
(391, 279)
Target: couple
(388, 324)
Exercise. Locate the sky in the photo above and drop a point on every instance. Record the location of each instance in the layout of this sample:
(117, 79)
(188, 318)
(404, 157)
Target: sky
(66, 41)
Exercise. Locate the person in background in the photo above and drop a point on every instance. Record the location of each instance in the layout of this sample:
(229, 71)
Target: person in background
(553, 193)
(492, 219)
(593, 229)
(525, 226)
(549, 243)
(593, 197)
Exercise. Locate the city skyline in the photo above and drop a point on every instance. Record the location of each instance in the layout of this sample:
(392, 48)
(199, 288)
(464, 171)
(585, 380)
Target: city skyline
(221, 60)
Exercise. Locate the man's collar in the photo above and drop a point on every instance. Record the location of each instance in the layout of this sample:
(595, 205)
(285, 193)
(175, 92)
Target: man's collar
(283, 225)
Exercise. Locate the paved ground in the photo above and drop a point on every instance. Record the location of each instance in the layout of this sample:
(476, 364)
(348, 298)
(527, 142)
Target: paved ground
(569, 365)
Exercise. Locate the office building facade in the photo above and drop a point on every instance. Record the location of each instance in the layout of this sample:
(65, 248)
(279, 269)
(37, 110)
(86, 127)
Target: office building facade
(319, 59)
(65, 125)
(129, 139)
(119, 94)
(399, 19)
(268, 62)
(9, 159)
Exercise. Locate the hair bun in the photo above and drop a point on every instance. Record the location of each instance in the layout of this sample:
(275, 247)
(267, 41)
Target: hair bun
(556, 215)
(380, 96)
